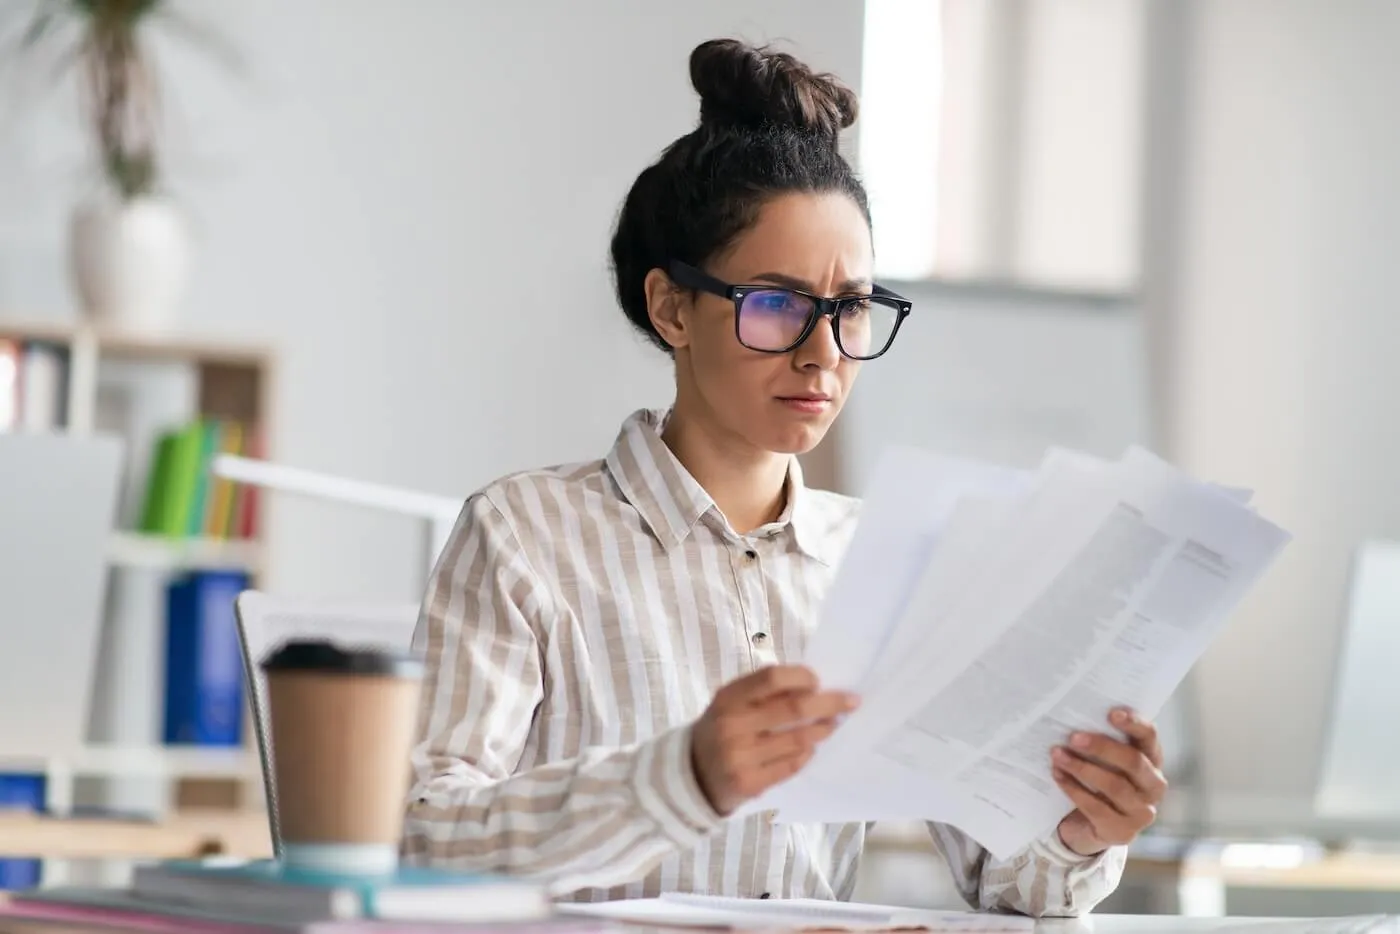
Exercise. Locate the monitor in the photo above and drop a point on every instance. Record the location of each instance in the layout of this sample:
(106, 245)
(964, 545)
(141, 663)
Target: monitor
(58, 501)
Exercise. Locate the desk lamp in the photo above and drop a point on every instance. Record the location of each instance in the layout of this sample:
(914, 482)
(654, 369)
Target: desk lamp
(439, 513)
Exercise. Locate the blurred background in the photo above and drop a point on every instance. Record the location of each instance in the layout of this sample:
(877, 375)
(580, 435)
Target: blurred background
(377, 251)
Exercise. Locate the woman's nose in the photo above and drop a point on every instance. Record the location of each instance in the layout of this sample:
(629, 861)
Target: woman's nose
(820, 348)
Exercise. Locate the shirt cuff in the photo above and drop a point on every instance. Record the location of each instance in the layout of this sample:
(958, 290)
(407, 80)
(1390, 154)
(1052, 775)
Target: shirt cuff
(668, 791)
(1053, 848)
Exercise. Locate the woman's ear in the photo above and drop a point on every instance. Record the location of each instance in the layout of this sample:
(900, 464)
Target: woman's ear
(667, 306)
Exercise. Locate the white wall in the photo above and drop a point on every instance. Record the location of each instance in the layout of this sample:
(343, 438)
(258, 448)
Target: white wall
(1079, 144)
(1039, 141)
(1273, 300)
(1000, 375)
(412, 201)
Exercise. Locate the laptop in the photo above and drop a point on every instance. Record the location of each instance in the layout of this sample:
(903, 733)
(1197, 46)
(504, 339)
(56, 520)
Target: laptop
(58, 503)
(1359, 775)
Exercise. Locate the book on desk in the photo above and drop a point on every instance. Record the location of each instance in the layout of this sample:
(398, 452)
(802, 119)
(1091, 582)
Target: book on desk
(266, 894)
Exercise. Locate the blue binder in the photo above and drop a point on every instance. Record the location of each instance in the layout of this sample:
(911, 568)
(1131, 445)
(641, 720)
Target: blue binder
(26, 793)
(203, 665)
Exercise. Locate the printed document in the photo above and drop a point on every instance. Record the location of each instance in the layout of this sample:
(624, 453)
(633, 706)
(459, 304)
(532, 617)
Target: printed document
(986, 618)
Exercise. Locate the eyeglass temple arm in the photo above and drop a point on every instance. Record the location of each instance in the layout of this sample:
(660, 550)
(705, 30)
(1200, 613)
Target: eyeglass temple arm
(690, 277)
(880, 290)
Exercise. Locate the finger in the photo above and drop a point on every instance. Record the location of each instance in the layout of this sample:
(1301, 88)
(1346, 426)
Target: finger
(1142, 732)
(801, 741)
(784, 711)
(1111, 788)
(755, 781)
(797, 744)
(742, 747)
(1109, 825)
(1126, 759)
(1111, 785)
(1110, 822)
(764, 683)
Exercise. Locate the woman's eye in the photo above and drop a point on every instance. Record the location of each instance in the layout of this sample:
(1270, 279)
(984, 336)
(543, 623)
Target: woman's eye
(776, 302)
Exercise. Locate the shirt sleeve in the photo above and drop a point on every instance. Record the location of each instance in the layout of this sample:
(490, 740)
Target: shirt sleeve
(600, 819)
(1045, 880)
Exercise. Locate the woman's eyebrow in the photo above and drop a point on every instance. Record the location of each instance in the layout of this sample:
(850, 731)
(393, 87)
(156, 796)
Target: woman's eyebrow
(792, 282)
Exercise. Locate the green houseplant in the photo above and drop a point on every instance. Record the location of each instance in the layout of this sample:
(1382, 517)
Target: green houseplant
(129, 248)
(119, 83)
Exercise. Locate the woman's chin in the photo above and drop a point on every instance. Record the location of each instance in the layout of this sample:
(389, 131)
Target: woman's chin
(795, 439)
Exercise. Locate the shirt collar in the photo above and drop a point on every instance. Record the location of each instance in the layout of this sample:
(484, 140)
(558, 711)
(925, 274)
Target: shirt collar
(811, 526)
(670, 501)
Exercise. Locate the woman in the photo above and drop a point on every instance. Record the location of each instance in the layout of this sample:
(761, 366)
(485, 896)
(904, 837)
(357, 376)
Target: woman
(607, 642)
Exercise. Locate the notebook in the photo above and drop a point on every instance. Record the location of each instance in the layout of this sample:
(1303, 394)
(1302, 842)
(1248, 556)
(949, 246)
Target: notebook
(299, 895)
(116, 909)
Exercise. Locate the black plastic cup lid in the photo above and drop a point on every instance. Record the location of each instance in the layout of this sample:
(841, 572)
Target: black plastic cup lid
(325, 656)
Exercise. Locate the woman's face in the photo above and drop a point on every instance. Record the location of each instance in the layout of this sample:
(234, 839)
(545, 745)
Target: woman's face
(784, 403)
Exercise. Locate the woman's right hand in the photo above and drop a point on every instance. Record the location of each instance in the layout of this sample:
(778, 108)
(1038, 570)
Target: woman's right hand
(761, 729)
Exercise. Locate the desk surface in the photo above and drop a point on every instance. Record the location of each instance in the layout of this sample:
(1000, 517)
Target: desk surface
(1101, 924)
(1165, 924)
(190, 833)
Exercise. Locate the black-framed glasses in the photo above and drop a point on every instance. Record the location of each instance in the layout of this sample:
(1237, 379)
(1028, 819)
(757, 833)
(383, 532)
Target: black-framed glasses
(773, 319)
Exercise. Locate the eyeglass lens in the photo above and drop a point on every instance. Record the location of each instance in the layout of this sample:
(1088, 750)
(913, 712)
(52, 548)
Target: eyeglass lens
(773, 319)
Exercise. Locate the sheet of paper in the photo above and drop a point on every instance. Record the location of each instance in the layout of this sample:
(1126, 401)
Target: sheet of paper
(1019, 561)
(989, 616)
(1115, 581)
(884, 561)
(970, 530)
(970, 500)
(818, 795)
(892, 544)
(790, 914)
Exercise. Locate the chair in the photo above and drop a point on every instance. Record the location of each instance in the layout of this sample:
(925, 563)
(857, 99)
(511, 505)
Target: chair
(265, 622)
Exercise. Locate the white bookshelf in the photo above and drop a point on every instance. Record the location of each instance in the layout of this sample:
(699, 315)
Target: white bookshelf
(108, 760)
(154, 552)
(222, 378)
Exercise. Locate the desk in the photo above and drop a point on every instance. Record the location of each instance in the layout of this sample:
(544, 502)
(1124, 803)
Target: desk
(1340, 871)
(182, 835)
(1169, 924)
(1193, 878)
(1100, 924)
(1203, 877)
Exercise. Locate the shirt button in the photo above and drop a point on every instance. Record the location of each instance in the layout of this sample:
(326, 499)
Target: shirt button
(760, 639)
(750, 555)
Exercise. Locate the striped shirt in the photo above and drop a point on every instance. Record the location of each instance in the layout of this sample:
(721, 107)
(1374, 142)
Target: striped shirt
(578, 621)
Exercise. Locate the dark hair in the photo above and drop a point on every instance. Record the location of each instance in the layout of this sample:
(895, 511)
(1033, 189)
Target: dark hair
(768, 125)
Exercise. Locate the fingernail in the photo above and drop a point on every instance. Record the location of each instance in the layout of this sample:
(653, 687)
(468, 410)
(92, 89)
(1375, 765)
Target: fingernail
(1121, 717)
(1061, 756)
(1080, 740)
(852, 701)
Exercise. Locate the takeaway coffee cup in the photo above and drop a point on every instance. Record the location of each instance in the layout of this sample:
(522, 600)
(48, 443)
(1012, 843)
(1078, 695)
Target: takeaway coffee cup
(342, 722)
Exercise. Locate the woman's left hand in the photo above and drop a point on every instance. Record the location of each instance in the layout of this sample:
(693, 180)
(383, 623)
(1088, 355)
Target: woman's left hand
(1116, 786)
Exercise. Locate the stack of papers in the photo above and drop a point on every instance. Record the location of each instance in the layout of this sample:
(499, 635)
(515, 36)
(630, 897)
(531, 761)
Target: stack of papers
(715, 912)
(984, 614)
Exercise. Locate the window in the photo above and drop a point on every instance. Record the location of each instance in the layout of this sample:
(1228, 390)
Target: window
(1001, 140)
(899, 124)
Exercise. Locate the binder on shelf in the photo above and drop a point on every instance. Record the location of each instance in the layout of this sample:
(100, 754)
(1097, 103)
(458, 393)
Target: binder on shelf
(203, 665)
(25, 793)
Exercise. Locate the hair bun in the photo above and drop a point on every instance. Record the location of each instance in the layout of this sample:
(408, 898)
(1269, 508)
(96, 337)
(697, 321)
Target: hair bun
(745, 85)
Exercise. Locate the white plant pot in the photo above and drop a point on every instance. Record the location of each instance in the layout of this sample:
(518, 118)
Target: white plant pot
(130, 262)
